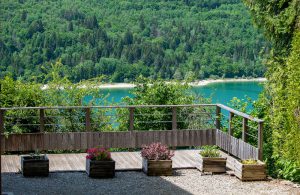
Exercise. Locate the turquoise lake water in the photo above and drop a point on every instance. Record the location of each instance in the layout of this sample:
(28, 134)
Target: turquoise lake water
(219, 92)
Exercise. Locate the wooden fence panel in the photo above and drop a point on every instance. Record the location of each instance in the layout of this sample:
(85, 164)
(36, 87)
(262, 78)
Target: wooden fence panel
(113, 139)
(3, 144)
(236, 147)
(176, 137)
(22, 142)
(126, 139)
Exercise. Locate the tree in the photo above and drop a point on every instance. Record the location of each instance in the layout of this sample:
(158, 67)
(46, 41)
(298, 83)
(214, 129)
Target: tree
(128, 38)
(24, 15)
(177, 75)
(91, 22)
(35, 26)
(70, 26)
(148, 92)
(142, 23)
(280, 21)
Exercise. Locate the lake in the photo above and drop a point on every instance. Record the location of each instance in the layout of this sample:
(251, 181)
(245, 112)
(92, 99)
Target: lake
(218, 92)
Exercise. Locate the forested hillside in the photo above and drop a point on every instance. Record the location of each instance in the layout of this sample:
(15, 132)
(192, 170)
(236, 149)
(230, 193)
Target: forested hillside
(124, 39)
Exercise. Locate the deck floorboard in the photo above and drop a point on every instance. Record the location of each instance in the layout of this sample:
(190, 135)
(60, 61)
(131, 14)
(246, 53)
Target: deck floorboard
(124, 161)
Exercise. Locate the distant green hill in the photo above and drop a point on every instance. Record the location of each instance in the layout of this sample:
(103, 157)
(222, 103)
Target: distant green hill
(125, 39)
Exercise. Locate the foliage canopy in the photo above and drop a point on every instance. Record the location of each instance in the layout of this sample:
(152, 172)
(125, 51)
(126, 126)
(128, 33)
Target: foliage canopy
(280, 21)
(126, 39)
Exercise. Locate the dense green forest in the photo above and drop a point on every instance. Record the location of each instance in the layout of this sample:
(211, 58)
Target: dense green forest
(124, 39)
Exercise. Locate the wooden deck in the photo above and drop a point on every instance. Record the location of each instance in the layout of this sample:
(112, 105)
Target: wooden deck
(124, 161)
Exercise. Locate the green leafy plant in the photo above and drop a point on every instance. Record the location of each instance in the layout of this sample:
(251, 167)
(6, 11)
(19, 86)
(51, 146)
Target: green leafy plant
(209, 151)
(37, 155)
(279, 20)
(249, 162)
(288, 170)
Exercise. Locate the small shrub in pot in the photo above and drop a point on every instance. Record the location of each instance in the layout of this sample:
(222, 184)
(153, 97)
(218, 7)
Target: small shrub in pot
(211, 160)
(250, 170)
(35, 164)
(99, 163)
(157, 160)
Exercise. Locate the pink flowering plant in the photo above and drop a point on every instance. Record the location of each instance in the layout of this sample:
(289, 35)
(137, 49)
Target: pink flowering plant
(156, 151)
(98, 154)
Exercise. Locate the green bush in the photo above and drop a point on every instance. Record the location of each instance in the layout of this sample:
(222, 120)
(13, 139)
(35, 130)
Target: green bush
(288, 170)
(210, 151)
(59, 91)
(148, 92)
(280, 21)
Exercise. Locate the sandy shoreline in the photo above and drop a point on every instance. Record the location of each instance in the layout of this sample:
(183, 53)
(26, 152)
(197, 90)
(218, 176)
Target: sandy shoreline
(195, 83)
(116, 85)
(210, 81)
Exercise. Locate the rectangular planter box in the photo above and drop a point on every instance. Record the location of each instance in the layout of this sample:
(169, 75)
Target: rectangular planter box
(34, 167)
(212, 164)
(255, 172)
(100, 169)
(157, 168)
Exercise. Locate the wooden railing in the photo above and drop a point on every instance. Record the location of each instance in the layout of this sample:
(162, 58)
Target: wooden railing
(249, 152)
(81, 127)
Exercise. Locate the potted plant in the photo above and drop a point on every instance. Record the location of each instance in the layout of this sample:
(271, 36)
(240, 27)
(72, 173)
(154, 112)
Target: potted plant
(250, 170)
(157, 160)
(99, 163)
(35, 164)
(211, 160)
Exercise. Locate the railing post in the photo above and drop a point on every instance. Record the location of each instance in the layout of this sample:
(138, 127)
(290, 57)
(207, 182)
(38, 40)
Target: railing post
(131, 118)
(42, 120)
(131, 128)
(218, 117)
(2, 112)
(174, 118)
(260, 140)
(87, 119)
(231, 115)
(245, 129)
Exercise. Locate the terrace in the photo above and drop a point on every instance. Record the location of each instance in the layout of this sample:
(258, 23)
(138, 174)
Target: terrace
(126, 128)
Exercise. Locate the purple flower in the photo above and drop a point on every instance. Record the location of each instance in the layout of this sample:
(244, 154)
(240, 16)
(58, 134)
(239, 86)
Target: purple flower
(156, 151)
(98, 154)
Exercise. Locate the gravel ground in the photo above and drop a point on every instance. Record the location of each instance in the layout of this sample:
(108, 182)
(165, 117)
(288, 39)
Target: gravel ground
(183, 182)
